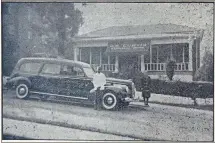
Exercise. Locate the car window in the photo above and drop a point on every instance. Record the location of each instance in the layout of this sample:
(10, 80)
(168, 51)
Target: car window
(32, 68)
(89, 72)
(53, 69)
(71, 71)
(68, 70)
(79, 71)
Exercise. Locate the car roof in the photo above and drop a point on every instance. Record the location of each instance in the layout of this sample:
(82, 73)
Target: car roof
(53, 60)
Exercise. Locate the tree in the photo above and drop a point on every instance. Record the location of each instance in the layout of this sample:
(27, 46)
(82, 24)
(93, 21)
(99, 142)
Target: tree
(10, 46)
(205, 72)
(60, 19)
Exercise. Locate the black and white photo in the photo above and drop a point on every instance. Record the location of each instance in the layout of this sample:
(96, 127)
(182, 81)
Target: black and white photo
(107, 71)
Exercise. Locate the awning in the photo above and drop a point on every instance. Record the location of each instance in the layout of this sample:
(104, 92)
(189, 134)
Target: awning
(128, 48)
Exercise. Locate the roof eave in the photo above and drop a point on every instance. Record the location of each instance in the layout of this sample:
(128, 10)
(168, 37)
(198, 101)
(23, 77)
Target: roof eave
(148, 36)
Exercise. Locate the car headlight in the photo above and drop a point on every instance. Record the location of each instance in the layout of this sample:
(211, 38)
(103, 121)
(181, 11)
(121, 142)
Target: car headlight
(127, 89)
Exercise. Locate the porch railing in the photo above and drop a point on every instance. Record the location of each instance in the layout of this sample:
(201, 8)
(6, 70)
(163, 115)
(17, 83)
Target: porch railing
(162, 66)
(105, 67)
(182, 67)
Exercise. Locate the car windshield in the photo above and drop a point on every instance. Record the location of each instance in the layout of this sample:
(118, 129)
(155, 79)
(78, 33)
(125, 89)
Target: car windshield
(89, 72)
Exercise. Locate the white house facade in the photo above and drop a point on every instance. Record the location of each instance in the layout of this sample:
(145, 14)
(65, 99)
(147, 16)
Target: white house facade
(147, 47)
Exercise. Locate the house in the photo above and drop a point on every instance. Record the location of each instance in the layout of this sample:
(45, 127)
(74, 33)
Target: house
(147, 47)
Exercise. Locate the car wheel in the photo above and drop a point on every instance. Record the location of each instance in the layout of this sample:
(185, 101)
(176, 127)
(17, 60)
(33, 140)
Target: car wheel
(22, 91)
(109, 101)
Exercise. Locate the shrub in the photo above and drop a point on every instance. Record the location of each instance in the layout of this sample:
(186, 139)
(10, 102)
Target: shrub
(170, 69)
(205, 72)
(194, 89)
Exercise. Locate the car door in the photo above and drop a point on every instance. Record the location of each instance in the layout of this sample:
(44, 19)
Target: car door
(74, 82)
(49, 78)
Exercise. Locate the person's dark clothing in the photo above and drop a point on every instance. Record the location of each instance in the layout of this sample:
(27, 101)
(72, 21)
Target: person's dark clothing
(146, 82)
(142, 83)
(98, 99)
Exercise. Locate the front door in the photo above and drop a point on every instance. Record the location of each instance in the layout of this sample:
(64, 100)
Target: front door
(128, 64)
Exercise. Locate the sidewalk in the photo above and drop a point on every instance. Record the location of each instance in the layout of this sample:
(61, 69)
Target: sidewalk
(169, 99)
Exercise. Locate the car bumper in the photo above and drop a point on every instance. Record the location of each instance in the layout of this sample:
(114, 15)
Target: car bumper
(128, 99)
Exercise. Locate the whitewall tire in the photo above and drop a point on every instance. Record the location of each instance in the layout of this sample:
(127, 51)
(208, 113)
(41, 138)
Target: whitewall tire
(22, 91)
(109, 101)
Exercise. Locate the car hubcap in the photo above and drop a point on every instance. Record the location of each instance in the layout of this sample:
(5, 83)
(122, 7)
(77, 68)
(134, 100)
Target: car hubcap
(109, 100)
(22, 90)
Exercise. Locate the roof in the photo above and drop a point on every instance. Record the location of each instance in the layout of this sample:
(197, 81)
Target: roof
(54, 60)
(139, 30)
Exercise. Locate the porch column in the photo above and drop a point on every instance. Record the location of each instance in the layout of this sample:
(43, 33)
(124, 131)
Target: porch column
(100, 60)
(90, 56)
(75, 54)
(190, 55)
(150, 50)
(117, 64)
(142, 63)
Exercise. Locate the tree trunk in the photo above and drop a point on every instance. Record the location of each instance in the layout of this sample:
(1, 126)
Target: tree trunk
(61, 33)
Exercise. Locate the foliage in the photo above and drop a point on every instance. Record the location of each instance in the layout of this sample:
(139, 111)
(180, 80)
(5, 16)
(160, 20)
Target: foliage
(9, 39)
(192, 89)
(60, 19)
(170, 69)
(52, 26)
(206, 72)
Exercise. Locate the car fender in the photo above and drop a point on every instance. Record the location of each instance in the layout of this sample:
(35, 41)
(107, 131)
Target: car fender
(119, 92)
(14, 81)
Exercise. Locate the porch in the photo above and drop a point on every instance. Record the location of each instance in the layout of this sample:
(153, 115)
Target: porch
(147, 66)
(153, 58)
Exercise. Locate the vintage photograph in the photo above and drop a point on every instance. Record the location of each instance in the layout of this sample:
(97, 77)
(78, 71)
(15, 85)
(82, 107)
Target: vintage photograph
(107, 71)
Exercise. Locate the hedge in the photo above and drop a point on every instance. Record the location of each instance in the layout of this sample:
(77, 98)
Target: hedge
(194, 89)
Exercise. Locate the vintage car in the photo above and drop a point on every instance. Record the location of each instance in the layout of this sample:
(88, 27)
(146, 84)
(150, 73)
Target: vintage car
(66, 78)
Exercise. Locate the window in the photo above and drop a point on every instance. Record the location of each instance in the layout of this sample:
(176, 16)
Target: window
(85, 55)
(95, 55)
(78, 71)
(104, 56)
(89, 72)
(32, 68)
(112, 59)
(164, 53)
(147, 58)
(71, 71)
(67, 70)
(53, 69)
(98, 55)
(179, 55)
(186, 53)
(154, 54)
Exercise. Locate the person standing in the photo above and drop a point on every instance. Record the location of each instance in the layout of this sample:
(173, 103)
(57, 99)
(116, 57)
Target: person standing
(145, 82)
(99, 81)
(142, 82)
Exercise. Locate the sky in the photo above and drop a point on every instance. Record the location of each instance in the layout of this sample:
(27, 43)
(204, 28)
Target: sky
(101, 15)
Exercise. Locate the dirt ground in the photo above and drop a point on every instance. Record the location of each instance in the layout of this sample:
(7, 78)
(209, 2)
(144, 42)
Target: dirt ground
(157, 122)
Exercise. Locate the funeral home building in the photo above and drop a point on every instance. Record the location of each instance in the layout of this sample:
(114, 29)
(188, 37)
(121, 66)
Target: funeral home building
(148, 47)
